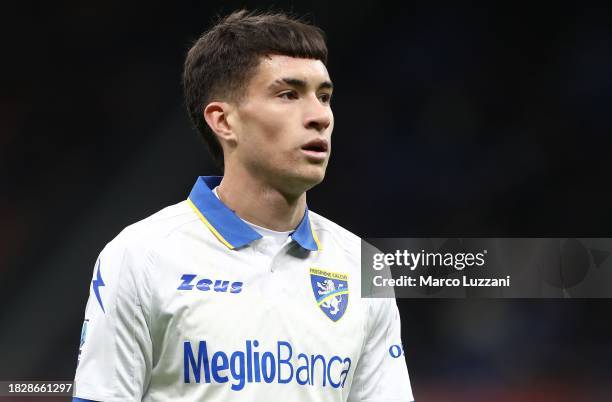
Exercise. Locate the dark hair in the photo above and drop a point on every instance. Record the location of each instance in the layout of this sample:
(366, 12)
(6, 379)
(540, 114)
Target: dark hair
(222, 61)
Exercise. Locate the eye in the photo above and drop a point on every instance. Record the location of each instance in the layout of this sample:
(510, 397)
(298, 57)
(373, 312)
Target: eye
(288, 95)
(325, 98)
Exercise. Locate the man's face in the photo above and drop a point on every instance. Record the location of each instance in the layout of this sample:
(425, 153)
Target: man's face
(284, 123)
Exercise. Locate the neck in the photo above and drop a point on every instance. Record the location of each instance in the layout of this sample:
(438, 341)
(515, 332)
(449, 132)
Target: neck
(259, 202)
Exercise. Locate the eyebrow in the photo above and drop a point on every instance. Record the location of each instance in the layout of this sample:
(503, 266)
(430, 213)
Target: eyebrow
(301, 84)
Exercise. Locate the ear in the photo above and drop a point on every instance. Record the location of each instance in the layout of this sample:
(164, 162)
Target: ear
(216, 115)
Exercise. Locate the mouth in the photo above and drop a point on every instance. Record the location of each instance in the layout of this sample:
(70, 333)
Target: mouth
(316, 149)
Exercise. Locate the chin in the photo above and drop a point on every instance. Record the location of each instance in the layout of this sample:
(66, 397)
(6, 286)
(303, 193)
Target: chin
(304, 181)
(313, 178)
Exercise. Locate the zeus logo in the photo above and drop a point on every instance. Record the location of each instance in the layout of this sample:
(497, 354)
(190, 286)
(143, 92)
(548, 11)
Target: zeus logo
(97, 283)
(205, 284)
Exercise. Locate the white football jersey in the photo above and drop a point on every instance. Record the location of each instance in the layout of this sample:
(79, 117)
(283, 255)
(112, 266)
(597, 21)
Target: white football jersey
(187, 305)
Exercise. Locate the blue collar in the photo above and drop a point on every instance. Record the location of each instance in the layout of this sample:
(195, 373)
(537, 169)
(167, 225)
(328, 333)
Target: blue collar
(232, 231)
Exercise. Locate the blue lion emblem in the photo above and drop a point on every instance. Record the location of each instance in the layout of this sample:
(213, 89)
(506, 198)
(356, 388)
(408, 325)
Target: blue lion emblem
(330, 291)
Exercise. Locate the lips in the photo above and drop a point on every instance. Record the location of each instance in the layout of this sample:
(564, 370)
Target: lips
(318, 145)
(316, 151)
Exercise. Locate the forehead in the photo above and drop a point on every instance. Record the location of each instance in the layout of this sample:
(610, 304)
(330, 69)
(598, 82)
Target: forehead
(275, 67)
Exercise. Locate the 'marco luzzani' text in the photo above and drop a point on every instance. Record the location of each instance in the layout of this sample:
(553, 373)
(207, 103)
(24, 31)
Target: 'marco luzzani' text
(241, 367)
(464, 281)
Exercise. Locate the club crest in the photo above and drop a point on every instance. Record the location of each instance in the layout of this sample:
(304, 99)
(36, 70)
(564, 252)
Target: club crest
(83, 336)
(330, 291)
(83, 333)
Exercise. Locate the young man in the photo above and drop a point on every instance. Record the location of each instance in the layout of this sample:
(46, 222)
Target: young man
(240, 292)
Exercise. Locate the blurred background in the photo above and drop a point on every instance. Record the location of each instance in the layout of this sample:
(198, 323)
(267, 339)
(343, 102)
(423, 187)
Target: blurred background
(450, 120)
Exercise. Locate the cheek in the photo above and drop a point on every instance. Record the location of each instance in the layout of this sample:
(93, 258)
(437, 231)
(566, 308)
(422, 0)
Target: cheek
(276, 123)
(268, 131)
(271, 136)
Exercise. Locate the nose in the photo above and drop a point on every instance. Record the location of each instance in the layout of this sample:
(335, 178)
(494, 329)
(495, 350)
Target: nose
(319, 116)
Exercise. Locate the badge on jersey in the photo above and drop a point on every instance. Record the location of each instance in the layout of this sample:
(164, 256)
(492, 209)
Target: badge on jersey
(331, 292)
(83, 336)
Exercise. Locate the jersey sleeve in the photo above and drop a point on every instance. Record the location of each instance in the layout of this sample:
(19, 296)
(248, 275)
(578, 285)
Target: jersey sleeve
(116, 351)
(381, 374)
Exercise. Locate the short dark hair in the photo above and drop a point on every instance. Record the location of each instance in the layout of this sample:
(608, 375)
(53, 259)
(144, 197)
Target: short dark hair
(222, 61)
